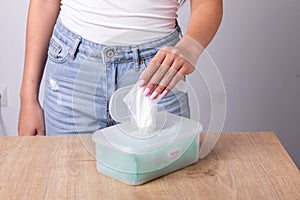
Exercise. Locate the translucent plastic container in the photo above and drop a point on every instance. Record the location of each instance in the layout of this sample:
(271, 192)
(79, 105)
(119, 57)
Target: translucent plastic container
(133, 155)
(174, 144)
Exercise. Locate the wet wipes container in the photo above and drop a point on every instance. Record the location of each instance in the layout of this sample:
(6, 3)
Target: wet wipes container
(142, 147)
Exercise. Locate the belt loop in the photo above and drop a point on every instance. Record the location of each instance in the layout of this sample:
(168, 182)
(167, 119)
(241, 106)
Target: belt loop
(178, 28)
(136, 60)
(73, 50)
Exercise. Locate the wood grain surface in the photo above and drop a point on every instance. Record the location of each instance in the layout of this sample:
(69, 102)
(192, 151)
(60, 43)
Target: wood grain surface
(241, 166)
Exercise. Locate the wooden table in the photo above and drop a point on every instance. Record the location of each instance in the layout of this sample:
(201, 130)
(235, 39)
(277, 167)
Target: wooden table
(241, 166)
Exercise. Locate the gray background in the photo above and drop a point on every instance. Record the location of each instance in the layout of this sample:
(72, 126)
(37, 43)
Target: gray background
(256, 50)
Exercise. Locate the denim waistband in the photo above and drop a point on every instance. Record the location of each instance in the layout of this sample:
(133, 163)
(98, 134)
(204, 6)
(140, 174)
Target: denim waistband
(113, 53)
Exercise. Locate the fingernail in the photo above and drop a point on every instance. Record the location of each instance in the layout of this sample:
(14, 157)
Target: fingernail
(153, 95)
(146, 92)
(165, 92)
(142, 83)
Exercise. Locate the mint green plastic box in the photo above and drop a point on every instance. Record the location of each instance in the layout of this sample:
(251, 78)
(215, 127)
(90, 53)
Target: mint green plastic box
(135, 161)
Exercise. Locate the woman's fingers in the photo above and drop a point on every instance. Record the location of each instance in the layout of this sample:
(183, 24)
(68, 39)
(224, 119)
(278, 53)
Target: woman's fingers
(158, 76)
(165, 81)
(164, 71)
(152, 68)
(163, 75)
(172, 84)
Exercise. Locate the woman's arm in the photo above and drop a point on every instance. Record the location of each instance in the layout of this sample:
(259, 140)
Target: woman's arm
(42, 15)
(205, 19)
(170, 64)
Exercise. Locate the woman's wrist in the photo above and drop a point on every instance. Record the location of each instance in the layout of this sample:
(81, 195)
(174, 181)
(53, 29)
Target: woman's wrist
(189, 48)
(28, 95)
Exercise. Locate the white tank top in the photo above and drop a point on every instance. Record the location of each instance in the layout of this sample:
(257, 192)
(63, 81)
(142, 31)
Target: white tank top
(119, 21)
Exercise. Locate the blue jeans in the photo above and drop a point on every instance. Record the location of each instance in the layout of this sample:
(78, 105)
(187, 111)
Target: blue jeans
(81, 76)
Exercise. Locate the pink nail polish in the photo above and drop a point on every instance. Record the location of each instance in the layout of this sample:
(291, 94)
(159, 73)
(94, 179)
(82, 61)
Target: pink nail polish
(142, 83)
(146, 92)
(153, 95)
(165, 92)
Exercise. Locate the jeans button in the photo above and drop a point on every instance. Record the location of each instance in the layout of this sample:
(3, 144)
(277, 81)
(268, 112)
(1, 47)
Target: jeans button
(110, 53)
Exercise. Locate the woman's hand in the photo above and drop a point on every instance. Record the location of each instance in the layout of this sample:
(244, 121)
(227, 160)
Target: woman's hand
(171, 63)
(31, 119)
(168, 67)
(42, 16)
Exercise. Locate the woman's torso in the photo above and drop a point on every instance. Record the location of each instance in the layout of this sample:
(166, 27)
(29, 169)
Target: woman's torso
(120, 22)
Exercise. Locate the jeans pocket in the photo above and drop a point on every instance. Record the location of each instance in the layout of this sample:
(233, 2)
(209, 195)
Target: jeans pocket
(58, 52)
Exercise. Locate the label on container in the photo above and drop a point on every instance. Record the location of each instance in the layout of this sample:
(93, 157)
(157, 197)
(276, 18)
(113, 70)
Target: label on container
(174, 154)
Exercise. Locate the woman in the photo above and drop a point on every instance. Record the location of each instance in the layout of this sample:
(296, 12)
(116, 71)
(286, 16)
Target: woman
(98, 46)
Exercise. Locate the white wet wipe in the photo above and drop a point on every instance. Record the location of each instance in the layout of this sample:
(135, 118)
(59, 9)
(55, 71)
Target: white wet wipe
(143, 110)
(146, 110)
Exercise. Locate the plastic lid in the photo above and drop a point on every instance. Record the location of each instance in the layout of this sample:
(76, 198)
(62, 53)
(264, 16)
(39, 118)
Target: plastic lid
(118, 109)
